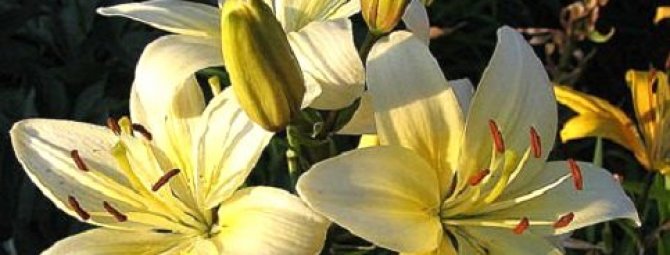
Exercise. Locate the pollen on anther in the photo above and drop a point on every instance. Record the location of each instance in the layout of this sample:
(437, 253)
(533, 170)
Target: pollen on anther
(477, 178)
(497, 137)
(113, 125)
(120, 217)
(74, 204)
(142, 130)
(536, 143)
(164, 179)
(522, 226)
(564, 220)
(74, 154)
(576, 172)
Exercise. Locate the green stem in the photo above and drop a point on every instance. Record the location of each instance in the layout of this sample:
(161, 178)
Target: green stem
(293, 154)
(369, 41)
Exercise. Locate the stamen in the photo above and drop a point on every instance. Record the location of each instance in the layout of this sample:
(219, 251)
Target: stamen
(77, 208)
(78, 161)
(113, 125)
(536, 143)
(577, 178)
(164, 179)
(522, 226)
(478, 177)
(120, 217)
(618, 178)
(497, 137)
(142, 130)
(564, 220)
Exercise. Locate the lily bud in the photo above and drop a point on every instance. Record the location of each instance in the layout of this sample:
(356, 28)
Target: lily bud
(264, 73)
(382, 15)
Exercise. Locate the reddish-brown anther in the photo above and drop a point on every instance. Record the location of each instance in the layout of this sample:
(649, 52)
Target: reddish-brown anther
(522, 226)
(78, 161)
(577, 178)
(497, 137)
(74, 204)
(536, 143)
(113, 124)
(478, 177)
(164, 179)
(564, 220)
(120, 217)
(142, 130)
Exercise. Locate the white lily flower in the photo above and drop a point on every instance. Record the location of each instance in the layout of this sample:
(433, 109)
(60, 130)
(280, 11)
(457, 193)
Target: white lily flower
(174, 193)
(449, 179)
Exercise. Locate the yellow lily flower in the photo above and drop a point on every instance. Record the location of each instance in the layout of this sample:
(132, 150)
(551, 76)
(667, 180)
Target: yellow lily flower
(446, 182)
(662, 13)
(319, 33)
(598, 118)
(178, 193)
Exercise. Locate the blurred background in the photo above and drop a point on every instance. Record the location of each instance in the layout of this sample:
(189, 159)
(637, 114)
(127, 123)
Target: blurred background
(58, 59)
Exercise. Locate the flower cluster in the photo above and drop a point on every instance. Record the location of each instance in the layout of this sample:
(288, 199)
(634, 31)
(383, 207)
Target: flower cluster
(452, 170)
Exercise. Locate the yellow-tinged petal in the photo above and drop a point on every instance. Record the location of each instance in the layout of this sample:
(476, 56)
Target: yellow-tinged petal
(446, 248)
(515, 94)
(662, 13)
(363, 121)
(112, 242)
(228, 146)
(263, 220)
(601, 199)
(330, 63)
(415, 107)
(296, 14)
(388, 195)
(46, 154)
(180, 17)
(501, 241)
(164, 72)
(416, 20)
(598, 118)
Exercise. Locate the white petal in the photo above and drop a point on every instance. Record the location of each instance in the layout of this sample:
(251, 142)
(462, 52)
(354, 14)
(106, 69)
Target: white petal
(175, 16)
(387, 195)
(363, 121)
(229, 145)
(329, 60)
(164, 84)
(499, 241)
(515, 92)
(43, 147)
(602, 199)
(263, 220)
(416, 20)
(108, 242)
(296, 14)
(415, 107)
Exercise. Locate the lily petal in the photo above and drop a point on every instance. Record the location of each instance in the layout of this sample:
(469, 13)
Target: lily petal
(503, 241)
(598, 118)
(164, 84)
(45, 152)
(388, 195)
(416, 20)
(296, 14)
(601, 199)
(228, 147)
(415, 107)
(330, 62)
(108, 242)
(515, 93)
(175, 16)
(263, 220)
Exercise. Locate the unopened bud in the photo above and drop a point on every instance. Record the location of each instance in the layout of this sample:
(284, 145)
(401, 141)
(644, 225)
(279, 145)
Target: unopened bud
(264, 73)
(382, 15)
